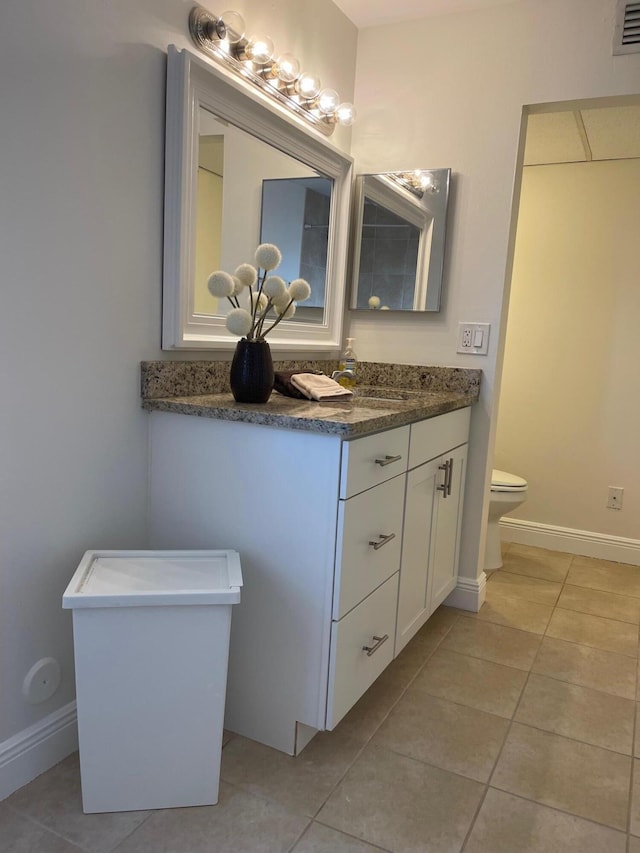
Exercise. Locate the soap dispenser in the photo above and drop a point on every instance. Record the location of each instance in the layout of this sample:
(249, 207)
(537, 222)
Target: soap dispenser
(348, 366)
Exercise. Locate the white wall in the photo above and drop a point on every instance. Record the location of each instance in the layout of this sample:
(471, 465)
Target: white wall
(82, 88)
(449, 91)
(569, 409)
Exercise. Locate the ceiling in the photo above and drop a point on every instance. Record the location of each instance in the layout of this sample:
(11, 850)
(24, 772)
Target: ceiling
(371, 13)
(607, 133)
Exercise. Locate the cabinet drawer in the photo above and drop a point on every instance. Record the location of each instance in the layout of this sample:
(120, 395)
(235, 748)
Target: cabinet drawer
(351, 669)
(436, 436)
(366, 462)
(370, 517)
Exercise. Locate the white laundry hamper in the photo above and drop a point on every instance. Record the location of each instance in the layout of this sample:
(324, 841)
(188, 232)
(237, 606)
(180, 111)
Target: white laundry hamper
(151, 640)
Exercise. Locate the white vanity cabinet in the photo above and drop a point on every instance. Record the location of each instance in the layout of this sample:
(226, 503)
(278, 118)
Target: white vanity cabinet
(318, 522)
(301, 509)
(432, 519)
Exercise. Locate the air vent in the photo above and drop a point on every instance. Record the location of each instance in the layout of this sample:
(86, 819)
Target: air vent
(626, 38)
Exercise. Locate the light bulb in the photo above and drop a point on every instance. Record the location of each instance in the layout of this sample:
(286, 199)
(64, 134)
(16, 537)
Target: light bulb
(286, 68)
(328, 101)
(234, 26)
(307, 86)
(428, 183)
(346, 114)
(260, 49)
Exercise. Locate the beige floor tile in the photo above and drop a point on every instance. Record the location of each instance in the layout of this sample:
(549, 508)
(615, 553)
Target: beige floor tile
(636, 745)
(619, 578)
(20, 835)
(576, 777)
(634, 844)
(508, 824)
(588, 667)
(323, 839)
(537, 562)
(471, 681)
(578, 712)
(239, 822)
(634, 825)
(513, 612)
(450, 736)
(403, 805)
(301, 784)
(493, 642)
(530, 589)
(54, 800)
(598, 603)
(596, 631)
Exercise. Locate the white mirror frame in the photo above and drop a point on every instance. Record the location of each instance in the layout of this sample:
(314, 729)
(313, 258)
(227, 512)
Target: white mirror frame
(193, 83)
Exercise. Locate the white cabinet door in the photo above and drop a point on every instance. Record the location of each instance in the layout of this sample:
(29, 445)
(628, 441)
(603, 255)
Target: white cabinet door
(446, 538)
(420, 506)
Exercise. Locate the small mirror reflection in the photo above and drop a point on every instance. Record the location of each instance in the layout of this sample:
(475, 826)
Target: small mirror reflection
(295, 216)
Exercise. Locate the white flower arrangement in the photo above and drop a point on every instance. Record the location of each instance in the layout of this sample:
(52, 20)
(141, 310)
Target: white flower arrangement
(266, 293)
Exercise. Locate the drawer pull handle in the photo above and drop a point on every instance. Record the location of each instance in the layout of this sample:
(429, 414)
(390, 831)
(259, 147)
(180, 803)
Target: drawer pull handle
(374, 648)
(388, 460)
(382, 541)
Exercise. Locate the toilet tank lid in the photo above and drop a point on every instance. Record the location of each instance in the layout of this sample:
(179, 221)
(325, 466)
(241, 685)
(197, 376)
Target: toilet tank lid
(503, 478)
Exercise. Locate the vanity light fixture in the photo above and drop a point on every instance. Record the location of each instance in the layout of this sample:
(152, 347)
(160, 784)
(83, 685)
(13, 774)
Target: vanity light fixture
(418, 182)
(255, 59)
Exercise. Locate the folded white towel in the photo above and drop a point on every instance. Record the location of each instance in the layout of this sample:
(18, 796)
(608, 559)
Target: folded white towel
(319, 387)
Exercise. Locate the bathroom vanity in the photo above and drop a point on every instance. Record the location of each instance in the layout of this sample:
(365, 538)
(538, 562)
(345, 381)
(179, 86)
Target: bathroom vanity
(347, 519)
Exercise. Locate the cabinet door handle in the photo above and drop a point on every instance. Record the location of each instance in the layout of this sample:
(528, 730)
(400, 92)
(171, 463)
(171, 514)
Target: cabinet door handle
(450, 480)
(382, 541)
(444, 486)
(374, 648)
(388, 460)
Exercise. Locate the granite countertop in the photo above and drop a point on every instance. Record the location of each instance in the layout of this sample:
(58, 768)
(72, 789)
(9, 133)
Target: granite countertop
(395, 395)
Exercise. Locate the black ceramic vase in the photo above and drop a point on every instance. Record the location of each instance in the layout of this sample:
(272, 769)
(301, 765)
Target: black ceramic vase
(251, 375)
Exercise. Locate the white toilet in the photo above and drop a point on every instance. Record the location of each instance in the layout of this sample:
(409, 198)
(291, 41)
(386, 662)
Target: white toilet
(507, 492)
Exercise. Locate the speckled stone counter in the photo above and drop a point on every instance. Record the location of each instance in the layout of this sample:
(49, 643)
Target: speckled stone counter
(387, 396)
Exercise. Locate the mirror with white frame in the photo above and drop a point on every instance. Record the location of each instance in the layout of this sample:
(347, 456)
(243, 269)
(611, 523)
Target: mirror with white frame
(399, 229)
(241, 171)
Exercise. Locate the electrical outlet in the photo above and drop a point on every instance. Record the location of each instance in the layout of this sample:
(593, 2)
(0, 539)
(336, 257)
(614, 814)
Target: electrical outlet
(614, 497)
(473, 338)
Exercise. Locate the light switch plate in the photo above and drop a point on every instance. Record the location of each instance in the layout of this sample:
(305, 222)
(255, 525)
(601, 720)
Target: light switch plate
(473, 338)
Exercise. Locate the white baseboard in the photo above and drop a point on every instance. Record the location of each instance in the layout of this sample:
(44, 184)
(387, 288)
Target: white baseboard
(37, 748)
(469, 593)
(582, 542)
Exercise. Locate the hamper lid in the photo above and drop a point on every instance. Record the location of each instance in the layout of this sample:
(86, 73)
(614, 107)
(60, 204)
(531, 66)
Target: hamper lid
(152, 578)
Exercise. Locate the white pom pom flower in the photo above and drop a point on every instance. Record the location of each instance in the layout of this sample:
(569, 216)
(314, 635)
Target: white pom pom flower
(247, 274)
(238, 286)
(220, 284)
(374, 302)
(262, 300)
(299, 289)
(285, 311)
(268, 256)
(239, 321)
(274, 287)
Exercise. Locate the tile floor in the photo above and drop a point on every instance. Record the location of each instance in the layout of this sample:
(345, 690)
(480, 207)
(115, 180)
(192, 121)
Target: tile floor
(508, 731)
